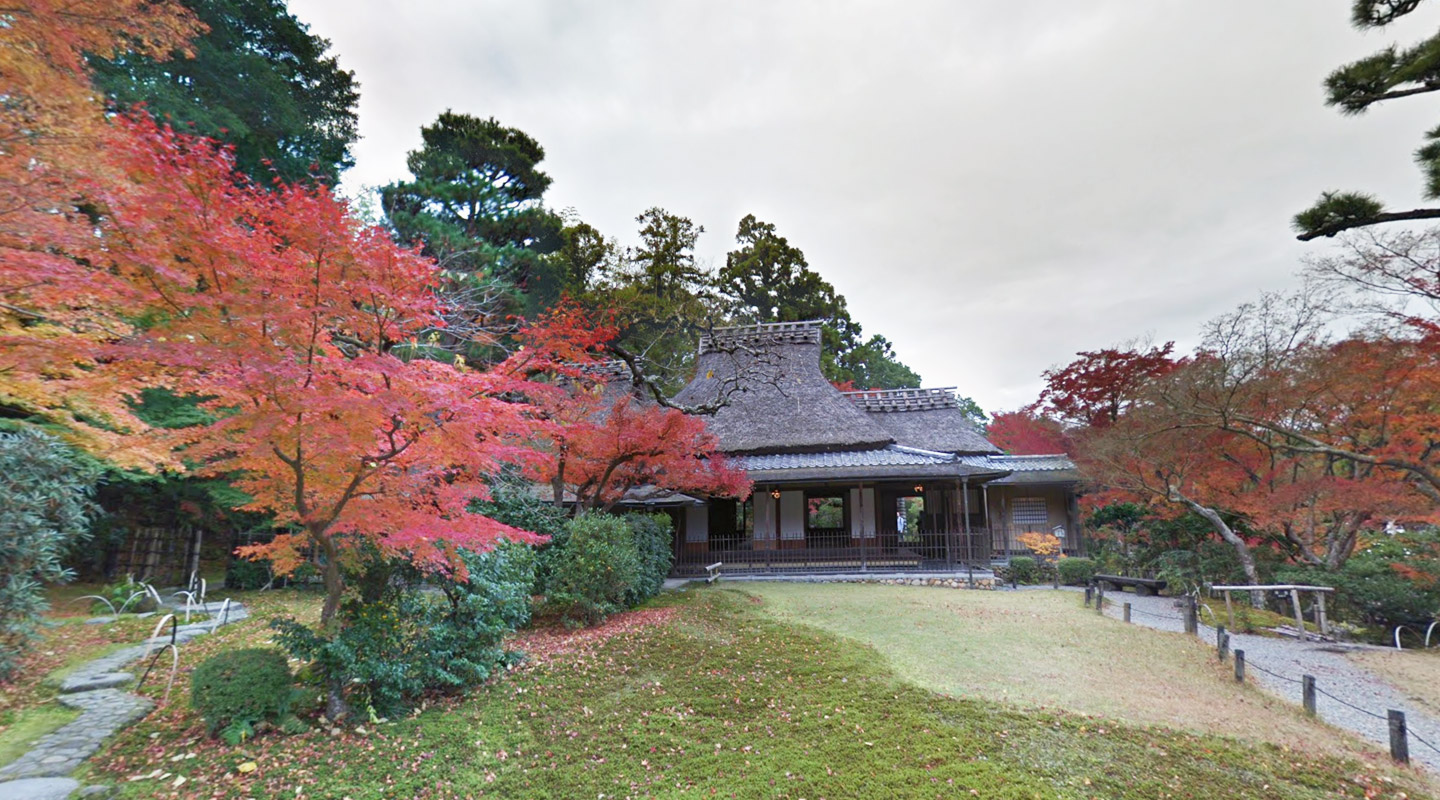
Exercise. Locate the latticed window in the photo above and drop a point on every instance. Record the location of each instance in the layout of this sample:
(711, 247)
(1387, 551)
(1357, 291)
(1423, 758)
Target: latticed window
(1029, 511)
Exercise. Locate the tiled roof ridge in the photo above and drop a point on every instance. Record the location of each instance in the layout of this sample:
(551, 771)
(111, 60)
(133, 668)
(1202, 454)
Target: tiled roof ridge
(608, 369)
(928, 399)
(768, 333)
(1032, 455)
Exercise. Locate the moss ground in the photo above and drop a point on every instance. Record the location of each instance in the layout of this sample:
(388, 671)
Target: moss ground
(723, 698)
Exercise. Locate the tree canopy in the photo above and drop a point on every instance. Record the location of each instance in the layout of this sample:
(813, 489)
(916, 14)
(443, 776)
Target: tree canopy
(1390, 74)
(766, 279)
(256, 79)
(474, 203)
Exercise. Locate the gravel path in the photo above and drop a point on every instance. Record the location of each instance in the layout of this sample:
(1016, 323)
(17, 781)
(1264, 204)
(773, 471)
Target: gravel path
(1276, 664)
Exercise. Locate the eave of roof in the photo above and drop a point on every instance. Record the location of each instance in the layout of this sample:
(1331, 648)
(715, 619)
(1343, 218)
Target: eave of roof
(888, 463)
(1028, 470)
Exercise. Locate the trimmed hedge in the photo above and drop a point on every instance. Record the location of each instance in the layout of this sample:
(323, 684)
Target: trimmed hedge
(1076, 571)
(603, 564)
(408, 640)
(597, 570)
(1023, 569)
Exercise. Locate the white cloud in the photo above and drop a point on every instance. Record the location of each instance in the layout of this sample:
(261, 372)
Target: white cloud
(992, 186)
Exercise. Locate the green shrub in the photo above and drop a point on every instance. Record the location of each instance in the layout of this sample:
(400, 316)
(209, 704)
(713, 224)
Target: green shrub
(45, 507)
(1370, 590)
(596, 571)
(513, 502)
(1076, 571)
(419, 633)
(1023, 569)
(238, 689)
(246, 575)
(654, 548)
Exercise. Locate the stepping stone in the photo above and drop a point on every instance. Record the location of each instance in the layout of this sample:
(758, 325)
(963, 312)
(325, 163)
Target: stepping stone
(99, 620)
(103, 680)
(38, 789)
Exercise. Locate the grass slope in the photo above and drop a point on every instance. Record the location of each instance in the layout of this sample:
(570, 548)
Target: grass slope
(724, 701)
(1040, 649)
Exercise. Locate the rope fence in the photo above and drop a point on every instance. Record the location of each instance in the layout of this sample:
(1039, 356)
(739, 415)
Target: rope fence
(1400, 734)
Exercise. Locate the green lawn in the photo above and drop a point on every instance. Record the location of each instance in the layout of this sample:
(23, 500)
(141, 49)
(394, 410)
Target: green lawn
(723, 699)
(1042, 649)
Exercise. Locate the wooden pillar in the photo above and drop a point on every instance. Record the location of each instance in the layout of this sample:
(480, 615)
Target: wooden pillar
(1299, 618)
(965, 509)
(1399, 745)
(1320, 621)
(1229, 612)
(949, 551)
(860, 503)
(989, 526)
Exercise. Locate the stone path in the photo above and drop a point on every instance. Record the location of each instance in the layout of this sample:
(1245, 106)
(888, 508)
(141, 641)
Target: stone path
(93, 689)
(1349, 696)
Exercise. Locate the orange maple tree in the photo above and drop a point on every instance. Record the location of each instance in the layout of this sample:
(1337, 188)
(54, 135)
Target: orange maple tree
(52, 134)
(298, 326)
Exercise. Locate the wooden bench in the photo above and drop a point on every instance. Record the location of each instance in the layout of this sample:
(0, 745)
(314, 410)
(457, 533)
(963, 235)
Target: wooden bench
(1142, 586)
(713, 572)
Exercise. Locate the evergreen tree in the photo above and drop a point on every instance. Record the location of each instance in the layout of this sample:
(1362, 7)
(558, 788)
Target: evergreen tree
(474, 203)
(259, 80)
(663, 297)
(1389, 74)
(766, 279)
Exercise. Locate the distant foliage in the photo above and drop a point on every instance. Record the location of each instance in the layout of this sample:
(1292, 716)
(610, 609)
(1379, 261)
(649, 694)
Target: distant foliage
(257, 80)
(248, 575)
(44, 507)
(409, 639)
(238, 689)
(1390, 582)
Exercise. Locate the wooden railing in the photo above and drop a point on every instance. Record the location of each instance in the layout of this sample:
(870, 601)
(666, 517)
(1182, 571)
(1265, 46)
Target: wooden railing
(922, 552)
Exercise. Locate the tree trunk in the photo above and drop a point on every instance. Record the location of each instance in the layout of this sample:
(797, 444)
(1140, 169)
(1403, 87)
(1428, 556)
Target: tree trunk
(334, 584)
(335, 706)
(1242, 550)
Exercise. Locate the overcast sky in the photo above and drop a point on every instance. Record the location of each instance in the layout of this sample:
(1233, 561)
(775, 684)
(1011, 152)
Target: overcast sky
(992, 186)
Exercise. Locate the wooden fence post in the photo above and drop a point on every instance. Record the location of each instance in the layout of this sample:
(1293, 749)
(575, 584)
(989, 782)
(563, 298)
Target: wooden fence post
(1089, 592)
(1399, 745)
(1239, 666)
(1099, 600)
(1127, 612)
(1222, 642)
(1307, 690)
(1191, 623)
(1299, 618)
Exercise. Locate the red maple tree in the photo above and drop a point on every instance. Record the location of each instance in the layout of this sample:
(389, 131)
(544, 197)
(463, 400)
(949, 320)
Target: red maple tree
(298, 325)
(1026, 433)
(1096, 388)
(606, 443)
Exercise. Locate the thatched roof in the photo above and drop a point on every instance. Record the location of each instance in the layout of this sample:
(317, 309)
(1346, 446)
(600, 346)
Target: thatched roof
(777, 400)
(617, 380)
(929, 419)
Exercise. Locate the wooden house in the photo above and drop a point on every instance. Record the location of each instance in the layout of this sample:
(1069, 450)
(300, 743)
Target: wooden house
(870, 480)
